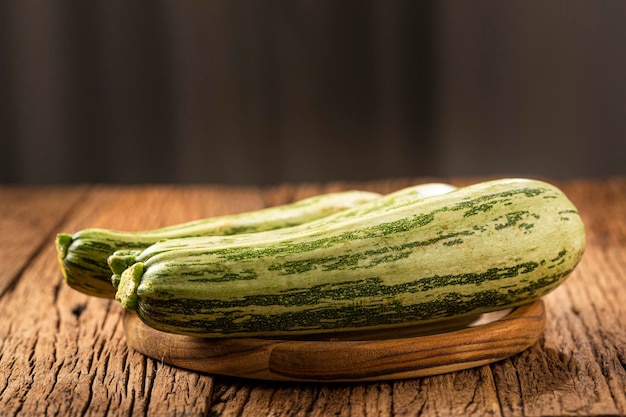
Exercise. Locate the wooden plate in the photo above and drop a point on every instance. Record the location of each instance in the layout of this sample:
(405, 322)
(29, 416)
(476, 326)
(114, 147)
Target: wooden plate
(357, 356)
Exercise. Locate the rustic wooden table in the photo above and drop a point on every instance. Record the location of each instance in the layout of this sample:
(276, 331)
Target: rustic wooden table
(64, 353)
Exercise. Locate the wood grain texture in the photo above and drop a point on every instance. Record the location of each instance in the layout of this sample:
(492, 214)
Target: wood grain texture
(65, 354)
(28, 216)
(373, 356)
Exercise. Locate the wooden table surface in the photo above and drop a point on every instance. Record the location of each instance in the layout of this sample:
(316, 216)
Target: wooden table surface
(64, 353)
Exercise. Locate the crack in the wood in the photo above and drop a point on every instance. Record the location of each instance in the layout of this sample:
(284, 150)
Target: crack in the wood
(389, 386)
(45, 241)
(56, 289)
(90, 359)
(144, 375)
(621, 358)
(131, 406)
(148, 382)
(501, 406)
(522, 405)
(471, 405)
(391, 397)
(419, 382)
(56, 371)
(89, 400)
(27, 384)
(491, 381)
(351, 404)
(57, 328)
(314, 396)
(3, 340)
(107, 315)
(7, 379)
(596, 347)
(606, 368)
(31, 354)
(107, 408)
(126, 374)
(28, 380)
(245, 401)
(102, 361)
(78, 309)
(209, 397)
(19, 408)
(420, 410)
(228, 390)
(98, 350)
(10, 287)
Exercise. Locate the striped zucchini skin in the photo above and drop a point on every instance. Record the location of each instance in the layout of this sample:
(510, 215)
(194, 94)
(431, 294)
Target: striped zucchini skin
(83, 256)
(121, 260)
(480, 248)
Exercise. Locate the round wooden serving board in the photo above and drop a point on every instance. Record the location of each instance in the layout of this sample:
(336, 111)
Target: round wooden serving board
(356, 356)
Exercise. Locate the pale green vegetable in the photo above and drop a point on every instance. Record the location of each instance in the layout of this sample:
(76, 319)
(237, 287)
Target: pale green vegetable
(83, 255)
(480, 248)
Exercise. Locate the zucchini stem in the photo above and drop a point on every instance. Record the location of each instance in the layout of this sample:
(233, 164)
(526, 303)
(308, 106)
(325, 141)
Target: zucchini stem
(62, 243)
(129, 282)
(119, 262)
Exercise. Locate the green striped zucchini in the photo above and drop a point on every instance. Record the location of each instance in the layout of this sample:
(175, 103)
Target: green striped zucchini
(83, 256)
(485, 247)
(122, 259)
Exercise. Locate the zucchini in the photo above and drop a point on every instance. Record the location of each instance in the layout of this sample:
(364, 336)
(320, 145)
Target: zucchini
(122, 259)
(485, 247)
(83, 256)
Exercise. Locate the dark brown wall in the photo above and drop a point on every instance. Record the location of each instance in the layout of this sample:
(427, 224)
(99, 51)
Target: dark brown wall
(271, 91)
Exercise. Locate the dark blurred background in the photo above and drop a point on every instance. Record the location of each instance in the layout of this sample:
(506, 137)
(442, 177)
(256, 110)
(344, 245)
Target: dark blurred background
(263, 92)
